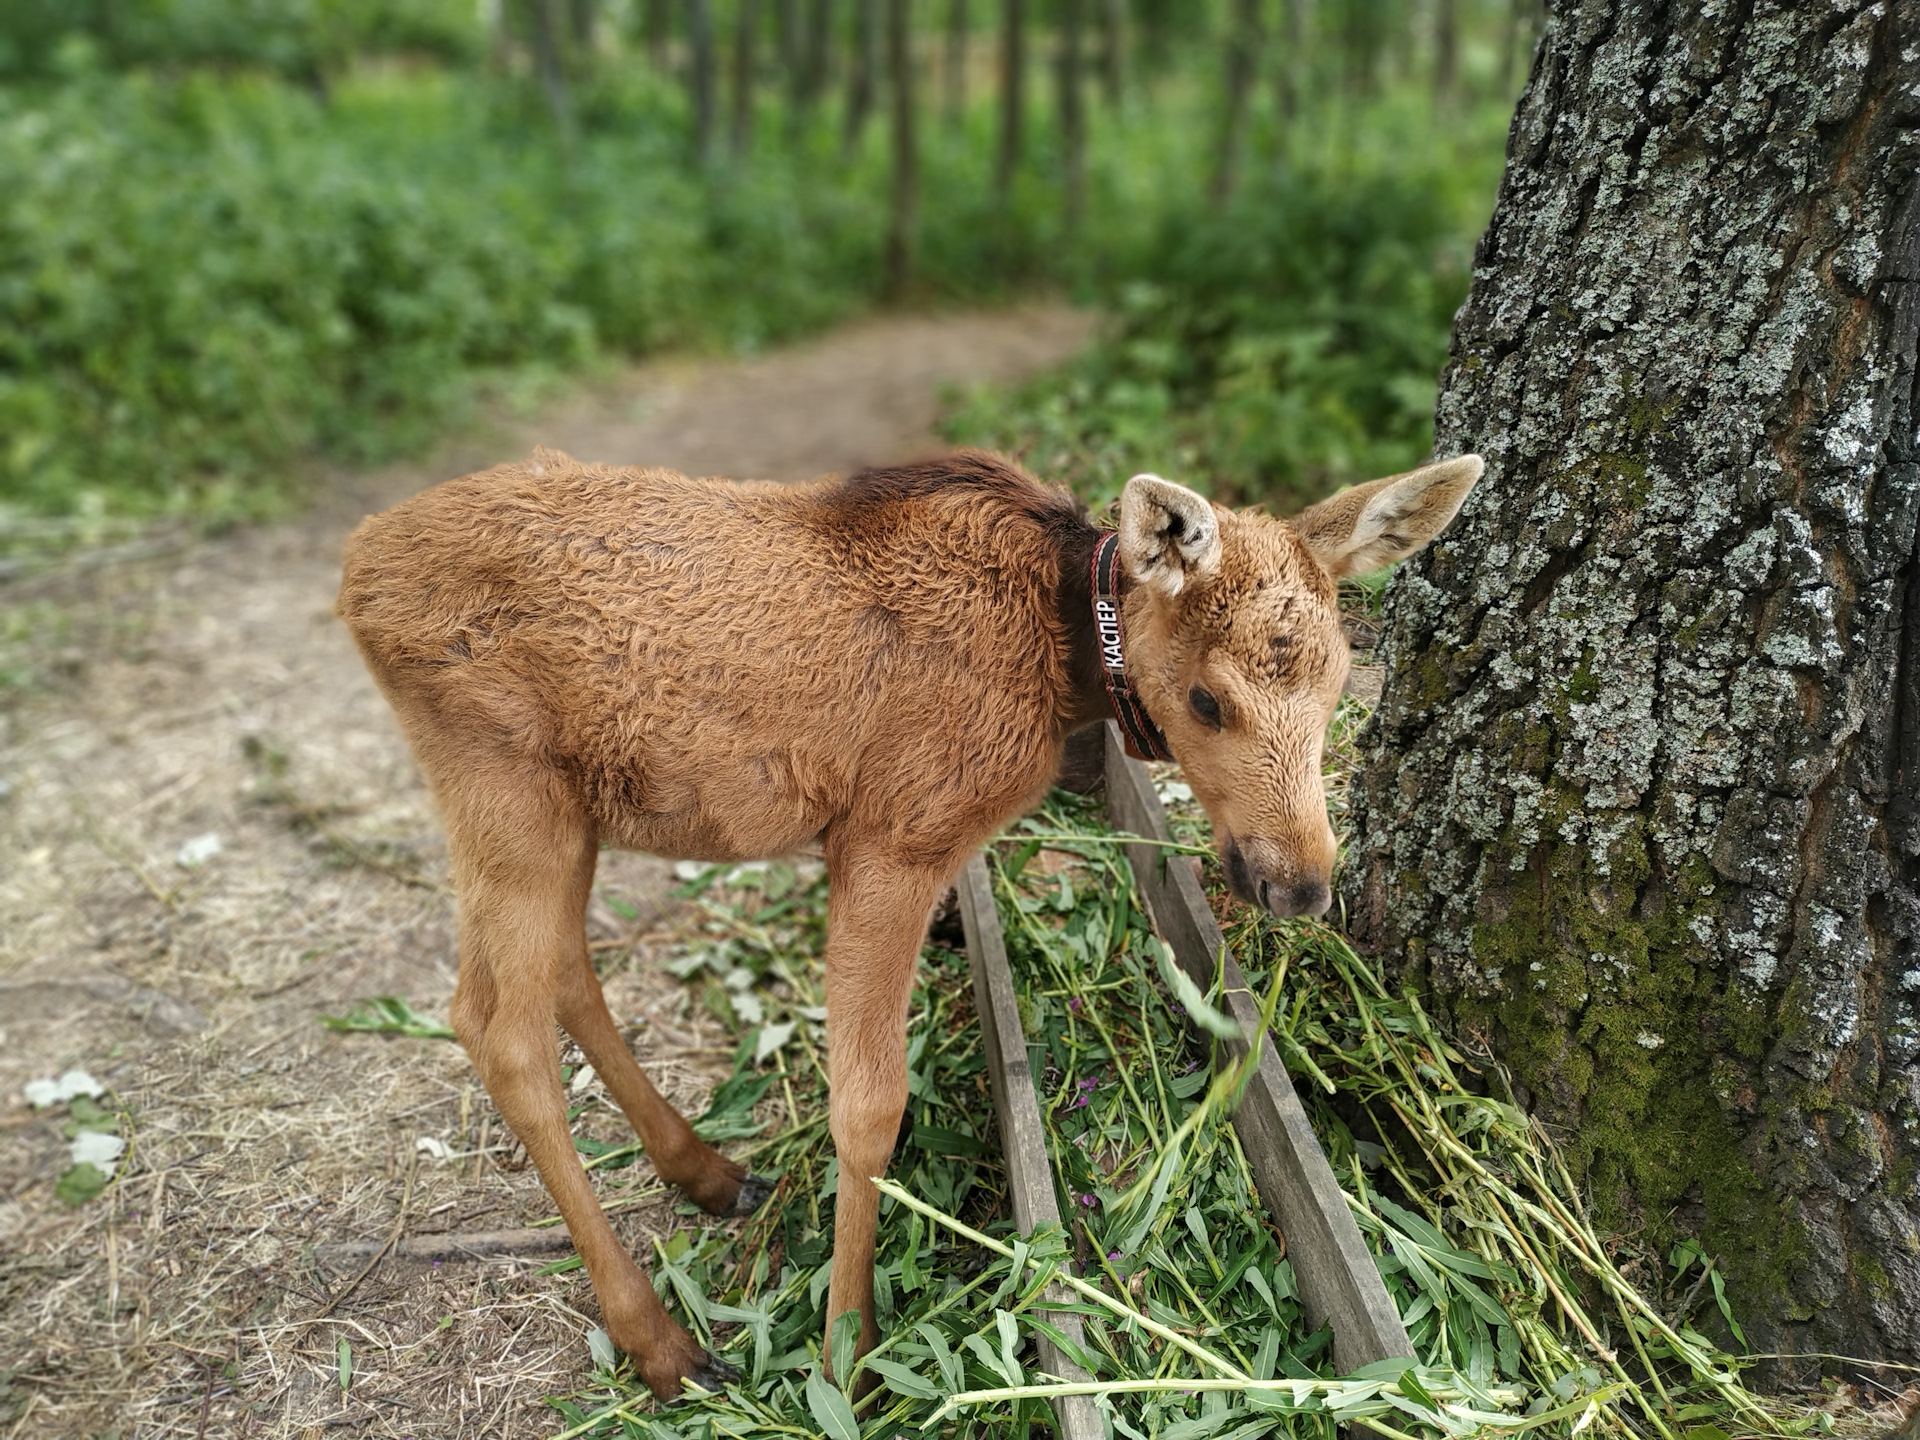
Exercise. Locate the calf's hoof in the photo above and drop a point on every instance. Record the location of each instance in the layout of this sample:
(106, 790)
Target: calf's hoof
(753, 1193)
(694, 1366)
(712, 1373)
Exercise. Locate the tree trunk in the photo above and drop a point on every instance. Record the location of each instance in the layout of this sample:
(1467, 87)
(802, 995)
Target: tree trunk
(1242, 58)
(545, 23)
(1642, 799)
(584, 20)
(658, 25)
(906, 154)
(860, 70)
(1013, 96)
(959, 31)
(700, 76)
(1073, 110)
(1446, 65)
(746, 31)
(1288, 66)
(819, 57)
(1113, 51)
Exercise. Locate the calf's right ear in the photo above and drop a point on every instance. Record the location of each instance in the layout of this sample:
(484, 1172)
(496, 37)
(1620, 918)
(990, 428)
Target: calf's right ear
(1368, 526)
(1168, 534)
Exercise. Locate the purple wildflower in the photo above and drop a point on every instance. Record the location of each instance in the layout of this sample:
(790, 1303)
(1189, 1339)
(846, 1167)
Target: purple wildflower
(1074, 1004)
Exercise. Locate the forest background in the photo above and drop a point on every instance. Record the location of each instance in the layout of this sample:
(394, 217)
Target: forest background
(243, 236)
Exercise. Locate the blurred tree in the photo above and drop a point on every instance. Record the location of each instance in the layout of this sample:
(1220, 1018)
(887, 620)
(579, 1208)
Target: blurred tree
(959, 33)
(1242, 52)
(906, 153)
(657, 25)
(1446, 42)
(1518, 43)
(1013, 96)
(701, 77)
(1363, 32)
(862, 63)
(1641, 803)
(1113, 50)
(584, 19)
(544, 24)
(1289, 67)
(1069, 72)
(746, 33)
(819, 57)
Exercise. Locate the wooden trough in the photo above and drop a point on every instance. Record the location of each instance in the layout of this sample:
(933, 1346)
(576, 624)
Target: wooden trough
(1339, 1284)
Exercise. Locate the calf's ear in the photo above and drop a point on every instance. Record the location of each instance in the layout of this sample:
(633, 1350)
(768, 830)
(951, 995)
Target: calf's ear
(1168, 534)
(1367, 526)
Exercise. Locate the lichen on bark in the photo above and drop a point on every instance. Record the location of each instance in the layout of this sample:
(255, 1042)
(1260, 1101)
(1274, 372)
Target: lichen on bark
(1642, 787)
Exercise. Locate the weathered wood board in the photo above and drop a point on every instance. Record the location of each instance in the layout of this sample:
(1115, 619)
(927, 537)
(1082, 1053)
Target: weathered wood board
(1338, 1281)
(1022, 1136)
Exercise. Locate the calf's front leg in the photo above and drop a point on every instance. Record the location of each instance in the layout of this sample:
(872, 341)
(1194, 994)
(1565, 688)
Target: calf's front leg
(877, 912)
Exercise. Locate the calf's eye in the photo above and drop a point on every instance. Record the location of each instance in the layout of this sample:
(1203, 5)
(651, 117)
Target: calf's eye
(1204, 705)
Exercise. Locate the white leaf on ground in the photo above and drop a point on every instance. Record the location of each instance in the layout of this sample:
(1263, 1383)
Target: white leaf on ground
(582, 1078)
(433, 1149)
(689, 870)
(772, 1037)
(42, 1093)
(747, 1007)
(96, 1147)
(1172, 790)
(198, 851)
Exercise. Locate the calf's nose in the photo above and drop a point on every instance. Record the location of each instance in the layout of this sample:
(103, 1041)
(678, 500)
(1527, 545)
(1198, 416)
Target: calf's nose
(1302, 897)
(1276, 888)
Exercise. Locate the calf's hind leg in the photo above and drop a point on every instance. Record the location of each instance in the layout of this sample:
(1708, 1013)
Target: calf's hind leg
(713, 1182)
(521, 862)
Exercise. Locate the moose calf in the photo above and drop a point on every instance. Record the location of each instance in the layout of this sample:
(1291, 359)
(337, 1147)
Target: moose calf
(887, 665)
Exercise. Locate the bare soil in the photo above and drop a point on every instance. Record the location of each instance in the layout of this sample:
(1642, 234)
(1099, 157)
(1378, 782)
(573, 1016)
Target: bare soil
(206, 690)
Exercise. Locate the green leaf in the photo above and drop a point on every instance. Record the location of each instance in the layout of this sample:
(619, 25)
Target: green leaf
(952, 1372)
(830, 1409)
(343, 1363)
(80, 1184)
(843, 1345)
(1199, 1009)
(1010, 1345)
(1726, 1310)
(388, 1015)
(903, 1380)
(946, 1142)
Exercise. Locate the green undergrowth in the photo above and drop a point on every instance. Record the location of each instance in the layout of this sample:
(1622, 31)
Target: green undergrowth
(1287, 343)
(1524, 1316)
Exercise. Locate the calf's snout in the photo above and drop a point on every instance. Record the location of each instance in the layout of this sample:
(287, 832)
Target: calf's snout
(1261, 873)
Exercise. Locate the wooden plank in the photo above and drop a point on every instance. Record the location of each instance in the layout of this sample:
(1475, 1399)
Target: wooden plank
(1338, 1281)
(1022, 1135)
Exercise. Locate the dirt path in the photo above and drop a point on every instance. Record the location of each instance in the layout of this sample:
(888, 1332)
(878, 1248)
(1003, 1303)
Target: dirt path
(207, 700)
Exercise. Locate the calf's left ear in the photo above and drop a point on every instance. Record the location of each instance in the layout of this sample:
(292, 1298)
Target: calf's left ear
(1367, 526)
(1168, 534)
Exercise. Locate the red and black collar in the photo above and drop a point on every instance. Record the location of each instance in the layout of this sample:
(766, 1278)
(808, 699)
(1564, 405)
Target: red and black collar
(1143, 737)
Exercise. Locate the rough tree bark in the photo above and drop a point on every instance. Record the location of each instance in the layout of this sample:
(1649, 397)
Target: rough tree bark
(1643, 799)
